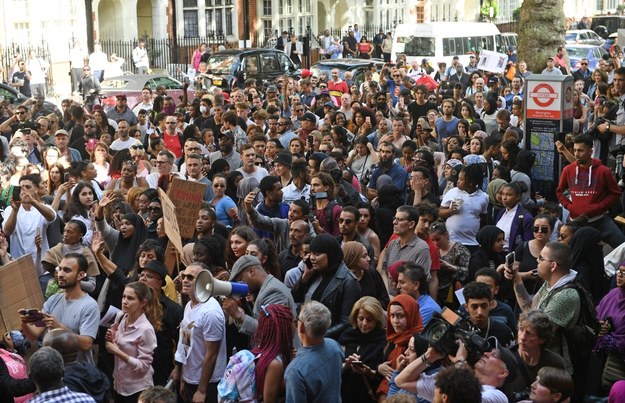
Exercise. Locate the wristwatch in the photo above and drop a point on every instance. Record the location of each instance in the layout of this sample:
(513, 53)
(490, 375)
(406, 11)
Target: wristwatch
(607, 126)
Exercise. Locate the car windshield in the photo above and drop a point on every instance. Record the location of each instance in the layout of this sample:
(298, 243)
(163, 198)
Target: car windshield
(221, 64)
(577, 52)
(570, 37)
(415, 46)
(117, 83)
(317, 70)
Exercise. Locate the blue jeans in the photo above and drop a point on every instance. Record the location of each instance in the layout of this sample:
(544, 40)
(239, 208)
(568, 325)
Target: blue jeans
(43, 282)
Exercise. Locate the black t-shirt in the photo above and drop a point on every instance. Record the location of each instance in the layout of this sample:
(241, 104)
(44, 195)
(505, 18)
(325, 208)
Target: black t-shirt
(18, 76)
(416, 111)
(500, 331)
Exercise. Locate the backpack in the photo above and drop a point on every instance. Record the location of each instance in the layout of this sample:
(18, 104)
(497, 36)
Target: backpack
(327, 211)
(581, 338)
(239, 381)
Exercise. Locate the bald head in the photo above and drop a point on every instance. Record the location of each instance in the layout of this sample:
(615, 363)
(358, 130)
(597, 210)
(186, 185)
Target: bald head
(65, 342)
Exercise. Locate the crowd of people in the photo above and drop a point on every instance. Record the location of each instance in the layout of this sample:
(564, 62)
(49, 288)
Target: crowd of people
(393, 242)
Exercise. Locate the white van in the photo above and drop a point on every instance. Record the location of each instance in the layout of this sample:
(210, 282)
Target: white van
(441, 41)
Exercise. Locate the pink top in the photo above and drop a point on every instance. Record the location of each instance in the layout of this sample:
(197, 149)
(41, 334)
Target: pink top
(138, 341)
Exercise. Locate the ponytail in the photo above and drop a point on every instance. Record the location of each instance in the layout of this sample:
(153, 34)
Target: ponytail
(153, 310)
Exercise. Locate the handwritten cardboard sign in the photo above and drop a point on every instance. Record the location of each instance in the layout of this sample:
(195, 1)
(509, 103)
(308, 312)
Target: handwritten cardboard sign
(20, 290)
(187, 196)
(170, 221)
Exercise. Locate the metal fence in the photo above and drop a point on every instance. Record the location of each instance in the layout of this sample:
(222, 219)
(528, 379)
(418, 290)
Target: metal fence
(8, 57)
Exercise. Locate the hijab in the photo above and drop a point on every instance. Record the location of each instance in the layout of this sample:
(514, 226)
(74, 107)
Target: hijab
(351, 253)
(124, 254)
(414, 324)
(493, 188)
(486, 237)
(326, 243)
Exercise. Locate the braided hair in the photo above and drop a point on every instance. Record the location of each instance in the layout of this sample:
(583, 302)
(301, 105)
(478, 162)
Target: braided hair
(273, 337)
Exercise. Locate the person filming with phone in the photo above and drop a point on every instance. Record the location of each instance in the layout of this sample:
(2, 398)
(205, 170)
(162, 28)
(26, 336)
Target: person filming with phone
(27, 217)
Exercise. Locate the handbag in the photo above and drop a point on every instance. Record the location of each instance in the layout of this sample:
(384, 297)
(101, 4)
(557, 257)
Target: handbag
(613, 370)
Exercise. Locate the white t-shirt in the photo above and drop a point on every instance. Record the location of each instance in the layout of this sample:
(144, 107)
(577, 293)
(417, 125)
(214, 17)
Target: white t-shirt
(23, 238)
(259, 173)
(201, 323)
(118, 144)
(490, 394)
(464, 225)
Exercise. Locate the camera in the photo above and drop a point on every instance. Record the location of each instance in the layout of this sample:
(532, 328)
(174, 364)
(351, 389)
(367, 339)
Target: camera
(609, 116)
(445, 328)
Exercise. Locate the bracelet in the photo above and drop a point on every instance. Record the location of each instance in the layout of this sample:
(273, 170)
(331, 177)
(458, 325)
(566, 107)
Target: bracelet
(425, 361)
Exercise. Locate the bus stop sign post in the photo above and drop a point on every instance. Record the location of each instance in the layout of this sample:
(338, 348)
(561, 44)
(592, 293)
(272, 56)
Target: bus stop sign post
(548, 118)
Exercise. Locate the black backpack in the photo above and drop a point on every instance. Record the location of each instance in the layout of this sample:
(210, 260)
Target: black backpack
(581, 338)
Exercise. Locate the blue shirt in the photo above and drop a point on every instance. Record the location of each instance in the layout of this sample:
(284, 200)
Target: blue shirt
(315, 374)
(446, 129)
(397, 173)
(221, 210)
(427, 308)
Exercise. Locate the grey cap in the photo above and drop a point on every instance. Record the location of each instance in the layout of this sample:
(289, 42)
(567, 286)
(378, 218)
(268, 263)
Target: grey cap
(243, 263)
(272, 88)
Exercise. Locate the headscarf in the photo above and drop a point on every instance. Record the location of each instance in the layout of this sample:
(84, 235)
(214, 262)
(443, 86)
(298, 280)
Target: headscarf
(487, 236)
(124, 254)
(493, 188)
(326, 243)
(389, 196)
(383, 180)
(525, 161)
(414, 325)
(352, 251)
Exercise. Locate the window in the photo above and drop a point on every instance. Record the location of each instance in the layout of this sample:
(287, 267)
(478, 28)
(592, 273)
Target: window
(289, 7)
(308, 7)
(267, 28)
(266, 7)
(189, 3)
(210, 27)
(300, 6)
(190, 24)
(289, 22)
(268, 62)
(301, 26)
(228, 21)
(281, 6)
(219, 26)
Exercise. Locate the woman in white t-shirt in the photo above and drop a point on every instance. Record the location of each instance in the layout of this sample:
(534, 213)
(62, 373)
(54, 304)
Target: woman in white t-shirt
(464, 206)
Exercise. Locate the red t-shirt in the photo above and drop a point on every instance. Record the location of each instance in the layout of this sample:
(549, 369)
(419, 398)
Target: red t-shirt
(173, 144)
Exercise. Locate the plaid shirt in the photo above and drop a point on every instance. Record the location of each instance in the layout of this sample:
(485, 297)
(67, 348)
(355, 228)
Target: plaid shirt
(63, 395)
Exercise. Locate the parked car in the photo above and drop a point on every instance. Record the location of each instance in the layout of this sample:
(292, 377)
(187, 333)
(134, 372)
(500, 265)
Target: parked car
(605, 25)
(357, 67)
(583, 37)
(578, 52)
(12, 96)
(131, 85)
(230, 68)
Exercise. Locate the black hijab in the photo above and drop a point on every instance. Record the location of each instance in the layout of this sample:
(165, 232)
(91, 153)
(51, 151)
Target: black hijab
(124, 254)
(327, 244)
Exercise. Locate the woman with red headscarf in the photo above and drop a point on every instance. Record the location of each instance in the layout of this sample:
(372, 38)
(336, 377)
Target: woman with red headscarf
(403, 321)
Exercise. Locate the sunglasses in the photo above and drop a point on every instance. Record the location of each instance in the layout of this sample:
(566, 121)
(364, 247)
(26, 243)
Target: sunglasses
(137, 147)
(345, 221)
(20, 113)
(218, 185)
(584, 64)
(89, 125)
(541, 229)
(154, 209)
(188, 277)
(259, 164)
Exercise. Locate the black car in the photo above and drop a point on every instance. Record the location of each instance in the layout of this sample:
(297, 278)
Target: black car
(357, 67)
(11, 96)
(230, 68)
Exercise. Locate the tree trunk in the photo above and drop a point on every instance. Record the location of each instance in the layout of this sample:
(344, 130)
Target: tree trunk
(541, 32)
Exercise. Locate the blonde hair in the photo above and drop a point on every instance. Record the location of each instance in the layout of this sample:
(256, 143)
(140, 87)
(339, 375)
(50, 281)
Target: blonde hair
(370, 305)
